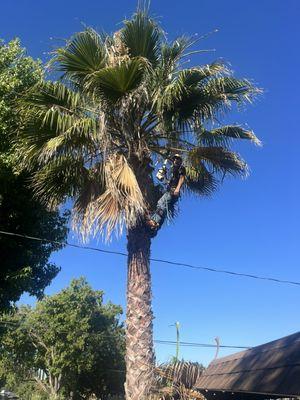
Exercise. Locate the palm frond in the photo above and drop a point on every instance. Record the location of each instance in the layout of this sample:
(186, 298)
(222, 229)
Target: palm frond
(161, 76)
(199, 180)
(59, 117)
(121, 203)
(173, 52)
(176, 380)
(73, 135)
(186, 97)
(218, 160)
(182, 372)
(142, 37)
(196, 76)
(58, 180)
(84, 54)
(223, 135)
(170, 55)
(215, 98)
(185, 84)
(115, 82)
(229, 88)
(48, 94)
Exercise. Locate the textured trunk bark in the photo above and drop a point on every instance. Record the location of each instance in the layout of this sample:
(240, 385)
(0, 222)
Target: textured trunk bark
(139, 327)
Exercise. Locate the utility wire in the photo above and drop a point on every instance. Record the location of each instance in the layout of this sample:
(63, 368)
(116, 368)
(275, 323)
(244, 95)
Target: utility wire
(166, 342)
(194, 344)
(179, 264)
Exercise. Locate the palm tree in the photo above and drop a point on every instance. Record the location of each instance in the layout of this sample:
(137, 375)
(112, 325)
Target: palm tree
(124, 102)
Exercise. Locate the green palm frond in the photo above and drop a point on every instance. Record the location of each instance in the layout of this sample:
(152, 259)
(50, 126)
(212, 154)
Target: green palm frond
(202, 94)
(77, 135)
(218, 160)
(170, 56)
(223, 135)
(216, 96)
(115, 82)
(73, 134)
(84, 54)
(193, 77)
(59, 117)
(58, 180)
(199, 180)
(48, 94)
(142, 37)
(185, 85)
(171, 53)
(228, 88)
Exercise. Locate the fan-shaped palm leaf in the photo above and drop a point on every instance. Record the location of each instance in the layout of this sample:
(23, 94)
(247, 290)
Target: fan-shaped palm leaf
(197, 94)
(223, 135)
(62, 120)
(48, 94)
(185, 84)
(84, 54)
(218, 160)
(199, 180)
(114, 82)
(142, 37)
(229, 88)
(59, 180)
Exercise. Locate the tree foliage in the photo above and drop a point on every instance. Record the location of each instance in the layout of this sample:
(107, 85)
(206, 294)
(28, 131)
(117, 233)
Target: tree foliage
(24, 263)
(124, 101)
(70, 345)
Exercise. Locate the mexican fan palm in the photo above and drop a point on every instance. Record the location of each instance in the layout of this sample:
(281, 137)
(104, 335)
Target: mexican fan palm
(123, 103)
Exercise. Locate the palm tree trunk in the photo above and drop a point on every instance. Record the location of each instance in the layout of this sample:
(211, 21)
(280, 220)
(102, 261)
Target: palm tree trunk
(139, 327)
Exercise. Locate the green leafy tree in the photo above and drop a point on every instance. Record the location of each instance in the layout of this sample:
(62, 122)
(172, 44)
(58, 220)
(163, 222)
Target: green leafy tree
(24, 263)
(126, 100)
(70, 345)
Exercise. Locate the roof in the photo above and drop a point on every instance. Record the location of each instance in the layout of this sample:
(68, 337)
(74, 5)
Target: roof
(272, 368)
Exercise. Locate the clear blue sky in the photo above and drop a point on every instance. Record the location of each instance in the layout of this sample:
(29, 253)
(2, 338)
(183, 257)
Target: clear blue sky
(250, 226)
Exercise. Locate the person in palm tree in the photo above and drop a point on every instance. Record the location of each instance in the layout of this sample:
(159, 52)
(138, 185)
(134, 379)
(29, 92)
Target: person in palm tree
(168, 200)
(83, 137)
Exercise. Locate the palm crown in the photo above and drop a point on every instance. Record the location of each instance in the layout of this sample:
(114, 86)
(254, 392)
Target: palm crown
(125, 101)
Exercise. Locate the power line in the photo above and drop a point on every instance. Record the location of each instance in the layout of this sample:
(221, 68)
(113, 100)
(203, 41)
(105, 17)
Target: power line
(63, 243)
(194, 344)
(158, 341)
(179, 264)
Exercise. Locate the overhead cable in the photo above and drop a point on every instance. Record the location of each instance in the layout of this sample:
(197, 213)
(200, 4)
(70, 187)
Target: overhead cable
(158, 260)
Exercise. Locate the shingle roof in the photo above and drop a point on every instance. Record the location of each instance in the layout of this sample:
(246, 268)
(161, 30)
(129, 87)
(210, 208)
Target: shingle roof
(272, 368)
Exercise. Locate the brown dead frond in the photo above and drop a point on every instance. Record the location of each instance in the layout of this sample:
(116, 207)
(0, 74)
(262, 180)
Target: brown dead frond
(176, 380)
(121, 203)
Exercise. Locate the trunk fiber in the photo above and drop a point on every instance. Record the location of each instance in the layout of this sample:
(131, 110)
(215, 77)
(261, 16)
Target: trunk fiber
(140, 359)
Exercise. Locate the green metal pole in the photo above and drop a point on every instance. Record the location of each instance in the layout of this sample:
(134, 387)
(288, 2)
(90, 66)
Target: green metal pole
(177, 340)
